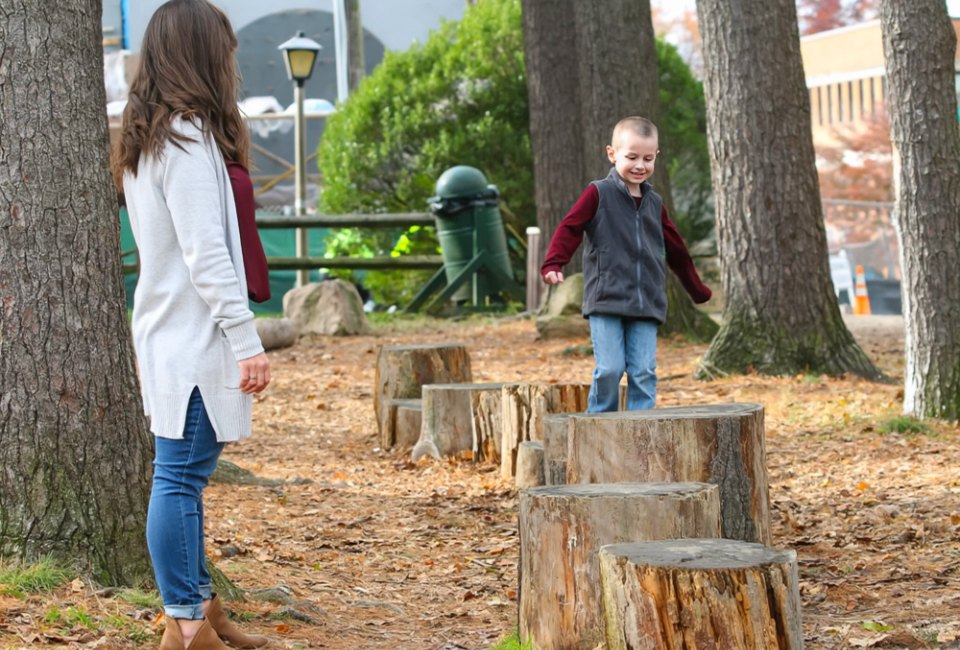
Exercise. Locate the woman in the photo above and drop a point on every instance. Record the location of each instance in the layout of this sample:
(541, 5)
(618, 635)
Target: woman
(199, 355)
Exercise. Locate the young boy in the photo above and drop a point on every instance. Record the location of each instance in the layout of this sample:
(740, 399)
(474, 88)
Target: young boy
(629, 236)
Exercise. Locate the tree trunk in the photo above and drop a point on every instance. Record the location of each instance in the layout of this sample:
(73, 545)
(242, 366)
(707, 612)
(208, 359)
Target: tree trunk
(530, 464)
(700, 593)
(561, 532)
(549, 40)
(74, 447)
(403, 422)
(721, 444)
(919, 46)
(683, 317)
(459, 419)
(781, 316)
(524, 408)
(402, 370)
(356, 68)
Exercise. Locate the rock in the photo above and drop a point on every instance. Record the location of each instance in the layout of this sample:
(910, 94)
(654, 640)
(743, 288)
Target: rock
(331, 307)
(276, 332)
(560, 316)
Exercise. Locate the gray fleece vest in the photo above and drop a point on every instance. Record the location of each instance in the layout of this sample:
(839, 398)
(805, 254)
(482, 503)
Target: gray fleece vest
(623, 254)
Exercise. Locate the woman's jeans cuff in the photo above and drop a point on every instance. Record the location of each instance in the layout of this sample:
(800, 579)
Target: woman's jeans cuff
(190, 612)
(206, 592)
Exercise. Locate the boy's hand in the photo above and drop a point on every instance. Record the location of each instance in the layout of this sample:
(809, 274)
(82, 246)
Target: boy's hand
(553, 277)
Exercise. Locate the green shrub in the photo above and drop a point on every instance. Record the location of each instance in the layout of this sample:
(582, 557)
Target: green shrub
(460, 98)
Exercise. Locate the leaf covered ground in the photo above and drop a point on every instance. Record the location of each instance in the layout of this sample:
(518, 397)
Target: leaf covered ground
(360, 548)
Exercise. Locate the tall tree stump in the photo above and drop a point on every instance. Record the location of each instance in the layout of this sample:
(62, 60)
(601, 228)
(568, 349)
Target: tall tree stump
(459, 419)
(561, 531)
(402, 370)
(721, 444)
(524, 408)
(555, 448)
(530, 464)
(703, 594)
(402, 426)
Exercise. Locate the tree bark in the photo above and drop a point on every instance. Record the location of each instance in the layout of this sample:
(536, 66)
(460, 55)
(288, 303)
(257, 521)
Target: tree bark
(683, 317)
(75, 452)
(721, 444)
(549, 43)
(555, 429)
(524, 408)
(700, 593)
(402, 370)
(530, 464)
(356, 68)
(561, 532)
(781, 316)
(919, 47)
(459, 419)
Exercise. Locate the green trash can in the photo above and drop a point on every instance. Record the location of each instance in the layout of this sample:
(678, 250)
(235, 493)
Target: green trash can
(468, 221)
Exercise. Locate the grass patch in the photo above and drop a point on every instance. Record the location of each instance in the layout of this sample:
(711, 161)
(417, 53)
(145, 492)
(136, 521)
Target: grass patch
(77, 616)
(44, 576)
(139, 598)
(512, 642)
(903, 424)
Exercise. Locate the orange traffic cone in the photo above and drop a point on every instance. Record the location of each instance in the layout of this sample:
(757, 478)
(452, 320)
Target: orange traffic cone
(861, 301)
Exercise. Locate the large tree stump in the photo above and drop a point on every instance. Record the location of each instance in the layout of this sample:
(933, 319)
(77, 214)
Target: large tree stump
(530, 464)
(459, 419)
(702, 594)
(561, 531)
(721, 444)
(402, 370)
(402, 426)
(524, 408)
(555, 449)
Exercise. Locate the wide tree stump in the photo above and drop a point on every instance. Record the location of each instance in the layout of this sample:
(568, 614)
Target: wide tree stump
(402, 426)
(402, 370)
(721, 444)
(561, 531)
(530, 464)
(702, 594)
(524, 408)
(458, 420)
(555, 449)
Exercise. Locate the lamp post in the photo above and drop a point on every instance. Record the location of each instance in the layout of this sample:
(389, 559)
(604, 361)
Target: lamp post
(299, 55)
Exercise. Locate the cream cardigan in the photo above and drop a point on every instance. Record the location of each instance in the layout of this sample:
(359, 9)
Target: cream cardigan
(191, 318)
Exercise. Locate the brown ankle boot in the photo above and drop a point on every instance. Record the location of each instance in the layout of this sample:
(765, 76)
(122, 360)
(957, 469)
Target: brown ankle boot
(206, 638)
(228, 632)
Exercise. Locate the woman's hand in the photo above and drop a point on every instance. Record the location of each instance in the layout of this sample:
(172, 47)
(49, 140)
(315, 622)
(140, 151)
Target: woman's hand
(254, 373)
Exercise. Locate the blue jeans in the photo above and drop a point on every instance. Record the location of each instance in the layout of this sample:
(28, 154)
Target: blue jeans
(181, 470)
(623, 345)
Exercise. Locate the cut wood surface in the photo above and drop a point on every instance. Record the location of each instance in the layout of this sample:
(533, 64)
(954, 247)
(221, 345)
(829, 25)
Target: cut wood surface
(561, 531)
(458, 419)
(555, 449)
(721, 444)
(402, 425)
(703, 594)
(524, 408)
(402, 370)
(530, 464)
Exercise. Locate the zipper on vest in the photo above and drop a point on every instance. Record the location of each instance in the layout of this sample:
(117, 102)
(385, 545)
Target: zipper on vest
(637, 222)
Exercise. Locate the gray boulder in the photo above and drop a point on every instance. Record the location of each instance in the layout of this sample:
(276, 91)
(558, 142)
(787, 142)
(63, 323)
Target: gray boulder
(276, 333)
(331, 307)
(560, 315)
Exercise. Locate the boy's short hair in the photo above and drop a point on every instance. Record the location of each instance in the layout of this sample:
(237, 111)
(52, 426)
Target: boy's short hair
(639, 125)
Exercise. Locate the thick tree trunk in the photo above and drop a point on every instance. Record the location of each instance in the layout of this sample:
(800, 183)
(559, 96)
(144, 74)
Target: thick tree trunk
(683, 318)
(721, 444)
(75, 452)
(549, 40)
(919, 45)
(561, 532)
(402, 370)
(524, 408)
(781, 316)
(460, 419)
(700, 593)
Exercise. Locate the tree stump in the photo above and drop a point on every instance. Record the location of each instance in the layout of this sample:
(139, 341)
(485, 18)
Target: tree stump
(721, 444)
(530, 464)
(459, 419)
(524, 408)
(703, 594)
(555, 449)
(402, 370)
(402, 426)
(561, 531)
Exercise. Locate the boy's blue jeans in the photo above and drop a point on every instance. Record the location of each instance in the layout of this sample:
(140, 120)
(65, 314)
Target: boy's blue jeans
(175, 517)
(623, 345)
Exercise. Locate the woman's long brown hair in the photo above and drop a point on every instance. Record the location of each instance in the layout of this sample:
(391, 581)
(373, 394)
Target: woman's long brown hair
(187, 68)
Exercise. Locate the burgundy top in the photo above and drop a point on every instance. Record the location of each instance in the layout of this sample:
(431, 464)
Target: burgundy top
(569, 234)
(254, 259)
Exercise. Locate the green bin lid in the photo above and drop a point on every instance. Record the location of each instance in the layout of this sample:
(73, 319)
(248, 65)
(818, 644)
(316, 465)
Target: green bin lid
(461, 181)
